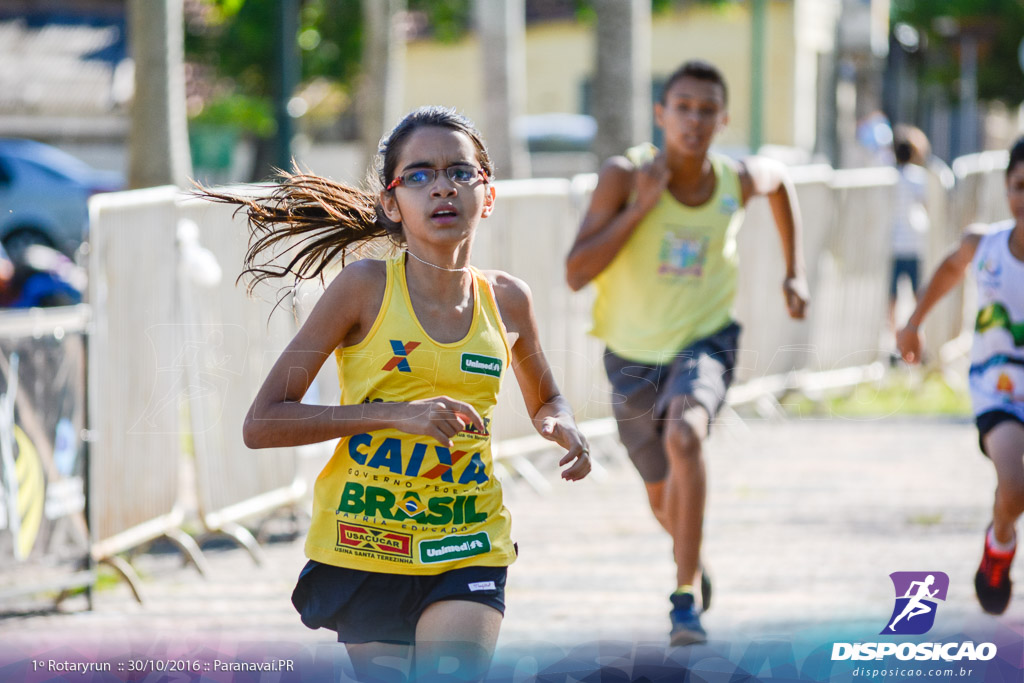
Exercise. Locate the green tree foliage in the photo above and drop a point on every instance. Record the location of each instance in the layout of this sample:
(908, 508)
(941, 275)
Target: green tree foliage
(584, 9)
(449, 20)
(237, 40)
(232, 45)
(999, 26)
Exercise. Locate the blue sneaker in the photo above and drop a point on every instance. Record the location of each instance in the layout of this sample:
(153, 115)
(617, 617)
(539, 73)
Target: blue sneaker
(686, 628)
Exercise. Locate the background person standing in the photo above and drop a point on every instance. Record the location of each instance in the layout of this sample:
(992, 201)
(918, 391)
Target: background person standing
(909, 224)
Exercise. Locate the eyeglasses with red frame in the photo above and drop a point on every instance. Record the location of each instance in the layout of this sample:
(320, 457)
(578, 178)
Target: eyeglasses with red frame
(463, 174)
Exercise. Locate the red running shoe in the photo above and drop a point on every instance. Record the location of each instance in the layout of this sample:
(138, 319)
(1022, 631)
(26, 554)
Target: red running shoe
(992, 582)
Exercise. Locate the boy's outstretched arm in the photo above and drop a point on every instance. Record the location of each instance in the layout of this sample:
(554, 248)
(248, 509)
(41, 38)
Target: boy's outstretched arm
(949, 273)
(767, 177)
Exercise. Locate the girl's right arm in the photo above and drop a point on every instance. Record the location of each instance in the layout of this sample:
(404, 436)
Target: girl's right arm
(949, 273)
(342, 317)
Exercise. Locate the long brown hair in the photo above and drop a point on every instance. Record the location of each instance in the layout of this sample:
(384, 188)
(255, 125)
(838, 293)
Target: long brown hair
(313, 220)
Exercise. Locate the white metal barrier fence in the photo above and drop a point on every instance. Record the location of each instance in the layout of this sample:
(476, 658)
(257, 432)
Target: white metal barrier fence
(44, 537)
(169, 348)
(134, 384)
(233, 341)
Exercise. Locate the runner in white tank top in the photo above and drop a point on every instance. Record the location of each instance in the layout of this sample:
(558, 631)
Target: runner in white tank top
(996, 256)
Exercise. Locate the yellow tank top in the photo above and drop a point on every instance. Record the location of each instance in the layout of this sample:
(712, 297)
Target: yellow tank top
(674, 281)
(393, 502)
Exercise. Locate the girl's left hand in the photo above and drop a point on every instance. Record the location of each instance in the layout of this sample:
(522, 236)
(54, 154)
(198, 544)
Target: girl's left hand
(564, 432)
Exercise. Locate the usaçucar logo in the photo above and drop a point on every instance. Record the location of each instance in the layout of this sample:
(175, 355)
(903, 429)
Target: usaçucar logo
(917, 594)
(374, 540)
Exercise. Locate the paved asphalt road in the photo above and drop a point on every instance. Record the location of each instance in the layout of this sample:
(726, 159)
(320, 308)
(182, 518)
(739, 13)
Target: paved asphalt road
(806, 520)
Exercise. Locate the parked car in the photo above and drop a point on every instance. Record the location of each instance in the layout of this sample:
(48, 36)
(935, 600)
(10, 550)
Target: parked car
(39, 277)
(556, 132)
(44, 195)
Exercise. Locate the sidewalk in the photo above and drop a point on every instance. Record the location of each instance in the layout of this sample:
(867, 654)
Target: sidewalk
(806, 519)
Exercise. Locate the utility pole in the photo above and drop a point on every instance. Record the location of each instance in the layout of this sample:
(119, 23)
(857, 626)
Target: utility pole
(758, 29)
(289, 71)
(968, 93)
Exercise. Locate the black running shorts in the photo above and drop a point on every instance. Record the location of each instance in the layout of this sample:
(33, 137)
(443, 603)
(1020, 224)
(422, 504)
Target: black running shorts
(987, 421)
(641, 394)
(368, 607)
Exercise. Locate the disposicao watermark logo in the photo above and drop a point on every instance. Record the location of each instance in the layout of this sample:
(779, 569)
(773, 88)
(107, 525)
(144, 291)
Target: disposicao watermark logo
(917, 598)
(917, 594)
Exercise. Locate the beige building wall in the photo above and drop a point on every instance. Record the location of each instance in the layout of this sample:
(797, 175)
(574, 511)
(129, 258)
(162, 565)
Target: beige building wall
(779, 73)
(559, 58)
(721, 36)
(814, 24)
(445, 74)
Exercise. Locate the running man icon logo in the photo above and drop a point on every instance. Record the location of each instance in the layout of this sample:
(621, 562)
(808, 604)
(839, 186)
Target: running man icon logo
(916, 596)
(401, 352)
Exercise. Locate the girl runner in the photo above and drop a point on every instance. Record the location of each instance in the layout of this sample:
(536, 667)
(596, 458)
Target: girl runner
(409, 541)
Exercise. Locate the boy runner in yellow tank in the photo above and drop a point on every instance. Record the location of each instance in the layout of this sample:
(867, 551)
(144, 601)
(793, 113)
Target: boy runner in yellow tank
(659, 243)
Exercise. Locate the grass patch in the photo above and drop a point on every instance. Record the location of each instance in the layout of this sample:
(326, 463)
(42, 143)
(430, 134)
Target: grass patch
(106, 579)
(933, 519)
(898, 393)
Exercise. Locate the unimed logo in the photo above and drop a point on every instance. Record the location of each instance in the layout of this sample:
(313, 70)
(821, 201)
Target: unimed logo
(917, 596)
(481, 365)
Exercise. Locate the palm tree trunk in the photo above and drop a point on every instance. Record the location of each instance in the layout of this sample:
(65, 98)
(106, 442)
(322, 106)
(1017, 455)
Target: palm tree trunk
(380, 90)
(622, 79)
(502, 28)
(158, 143)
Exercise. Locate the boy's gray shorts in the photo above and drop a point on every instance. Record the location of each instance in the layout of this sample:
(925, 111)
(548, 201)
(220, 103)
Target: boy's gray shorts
(641, 394)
